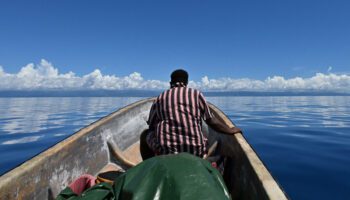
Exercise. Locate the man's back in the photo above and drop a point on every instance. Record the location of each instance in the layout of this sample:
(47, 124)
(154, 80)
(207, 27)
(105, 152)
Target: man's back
(176, 117)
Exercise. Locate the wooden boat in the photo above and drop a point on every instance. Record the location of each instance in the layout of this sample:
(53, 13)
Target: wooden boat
(113, 142)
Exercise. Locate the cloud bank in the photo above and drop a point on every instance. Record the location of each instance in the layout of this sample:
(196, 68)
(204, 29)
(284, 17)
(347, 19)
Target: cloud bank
(44, 76)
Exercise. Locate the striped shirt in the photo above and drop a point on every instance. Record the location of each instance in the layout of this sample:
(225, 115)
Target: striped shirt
(175, 121)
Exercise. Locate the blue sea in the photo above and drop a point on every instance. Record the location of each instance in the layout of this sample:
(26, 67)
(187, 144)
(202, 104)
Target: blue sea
(303, 140)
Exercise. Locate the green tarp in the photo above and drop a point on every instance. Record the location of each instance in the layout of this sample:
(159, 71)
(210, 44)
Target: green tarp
(171, 177)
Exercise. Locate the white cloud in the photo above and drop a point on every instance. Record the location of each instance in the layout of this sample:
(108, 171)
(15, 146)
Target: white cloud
(318, 82)
(329, 69)
(1, 71)
(45, 76)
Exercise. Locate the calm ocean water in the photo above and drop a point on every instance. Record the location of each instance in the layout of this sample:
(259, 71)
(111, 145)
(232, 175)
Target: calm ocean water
(303, 140)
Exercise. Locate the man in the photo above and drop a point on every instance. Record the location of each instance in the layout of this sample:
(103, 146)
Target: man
(175, 121)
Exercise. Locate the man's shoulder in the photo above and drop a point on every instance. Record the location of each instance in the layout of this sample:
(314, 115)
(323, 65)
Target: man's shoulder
(189, 90)
(161, 95)
(195, 91)
(165, 92)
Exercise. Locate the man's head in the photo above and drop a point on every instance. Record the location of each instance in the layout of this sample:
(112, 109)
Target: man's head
(179, 76)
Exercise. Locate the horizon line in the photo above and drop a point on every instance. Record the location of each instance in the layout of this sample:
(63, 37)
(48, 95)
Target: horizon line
(150, 93)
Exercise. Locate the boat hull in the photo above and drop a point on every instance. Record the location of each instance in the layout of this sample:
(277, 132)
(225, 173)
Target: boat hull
(87, 151)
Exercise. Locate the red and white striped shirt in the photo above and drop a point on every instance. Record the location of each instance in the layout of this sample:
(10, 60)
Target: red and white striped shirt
(176, 120)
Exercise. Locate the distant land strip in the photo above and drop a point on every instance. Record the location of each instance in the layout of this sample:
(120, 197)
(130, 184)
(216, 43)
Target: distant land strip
(152, 93)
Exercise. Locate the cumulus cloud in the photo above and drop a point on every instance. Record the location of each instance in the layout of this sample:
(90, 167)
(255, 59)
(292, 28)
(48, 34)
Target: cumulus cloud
(45, 76)
(329, 69)
(318, 82)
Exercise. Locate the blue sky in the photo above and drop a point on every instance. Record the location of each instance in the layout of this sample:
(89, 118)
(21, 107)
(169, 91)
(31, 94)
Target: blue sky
(218, 39)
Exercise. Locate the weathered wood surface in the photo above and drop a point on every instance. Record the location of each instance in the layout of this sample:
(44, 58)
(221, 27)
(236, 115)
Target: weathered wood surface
(86, 151)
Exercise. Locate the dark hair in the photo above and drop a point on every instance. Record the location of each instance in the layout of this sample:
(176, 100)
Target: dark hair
(179, 75)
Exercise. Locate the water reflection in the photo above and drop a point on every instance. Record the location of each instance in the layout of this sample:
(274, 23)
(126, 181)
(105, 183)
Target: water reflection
(299, 111)
(29, 115)
(23, 140)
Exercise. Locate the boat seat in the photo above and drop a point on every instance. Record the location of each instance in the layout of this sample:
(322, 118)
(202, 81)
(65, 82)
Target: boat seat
(211, 150)
(110, 167)
(118, 154)
(133, 153)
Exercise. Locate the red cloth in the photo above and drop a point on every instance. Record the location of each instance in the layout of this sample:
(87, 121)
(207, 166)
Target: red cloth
(82, 183)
